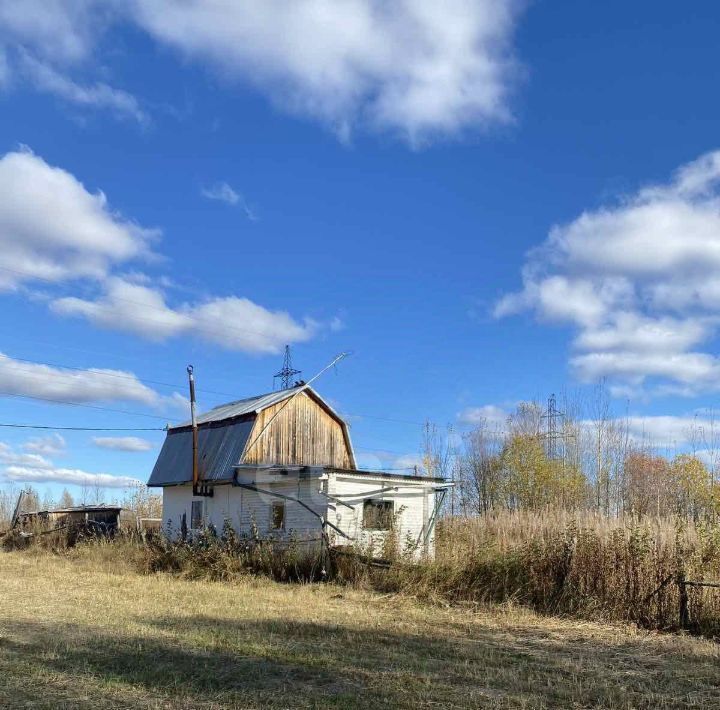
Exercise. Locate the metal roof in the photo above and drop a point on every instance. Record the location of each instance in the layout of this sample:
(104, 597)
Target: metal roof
(241, 407)
(223, 433)
(219, 450)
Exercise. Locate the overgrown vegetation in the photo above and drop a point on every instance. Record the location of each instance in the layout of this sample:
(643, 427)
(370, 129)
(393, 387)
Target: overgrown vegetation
(585, 566)
(553, 562)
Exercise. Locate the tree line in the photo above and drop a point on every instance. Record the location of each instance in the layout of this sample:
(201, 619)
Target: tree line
(591, 461)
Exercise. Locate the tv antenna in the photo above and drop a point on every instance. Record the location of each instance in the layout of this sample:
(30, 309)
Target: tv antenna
(287, 374)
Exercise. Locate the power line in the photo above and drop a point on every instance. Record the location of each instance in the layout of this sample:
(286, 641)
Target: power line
(138, 380)
(82, 404)
(92, 370)
(383, 419)
(79, 428)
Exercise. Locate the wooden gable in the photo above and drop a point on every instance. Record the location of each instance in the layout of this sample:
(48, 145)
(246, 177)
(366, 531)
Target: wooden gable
(305, 432)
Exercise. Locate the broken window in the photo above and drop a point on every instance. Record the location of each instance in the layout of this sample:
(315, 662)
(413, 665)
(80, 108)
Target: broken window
(196, 514)
(277, 521)
(378, 514)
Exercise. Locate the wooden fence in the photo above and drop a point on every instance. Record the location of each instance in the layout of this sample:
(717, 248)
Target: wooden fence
(682, 583)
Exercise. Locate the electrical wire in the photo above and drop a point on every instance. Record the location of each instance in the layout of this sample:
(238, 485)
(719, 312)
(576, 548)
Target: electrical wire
(137, 380)
(79, 428)
(86, 406)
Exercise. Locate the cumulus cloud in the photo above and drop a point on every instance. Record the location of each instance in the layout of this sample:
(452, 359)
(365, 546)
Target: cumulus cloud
(52, 445)
(63, 385)
(668, 430)
(9, 457)
(52, 474)
(418, 67)
(52, 228)
(35, 468)
(231, 322)
(123, 443)
(638, 281)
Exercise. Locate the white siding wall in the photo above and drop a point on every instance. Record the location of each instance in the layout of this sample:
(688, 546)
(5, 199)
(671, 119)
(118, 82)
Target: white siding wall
(413, 505)
(413, 501)
(244, 508)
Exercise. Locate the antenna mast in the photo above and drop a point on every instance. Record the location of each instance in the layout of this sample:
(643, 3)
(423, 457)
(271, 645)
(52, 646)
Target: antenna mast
(287, 374)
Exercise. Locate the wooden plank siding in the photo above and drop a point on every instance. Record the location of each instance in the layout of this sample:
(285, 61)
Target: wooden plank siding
(303, 433)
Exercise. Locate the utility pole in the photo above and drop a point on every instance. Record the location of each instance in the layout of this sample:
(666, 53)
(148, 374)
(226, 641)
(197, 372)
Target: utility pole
(198, 490)
(287, 374)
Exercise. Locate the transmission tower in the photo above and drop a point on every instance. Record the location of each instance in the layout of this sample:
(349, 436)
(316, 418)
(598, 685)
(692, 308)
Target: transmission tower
(287, 374)
(553, 434)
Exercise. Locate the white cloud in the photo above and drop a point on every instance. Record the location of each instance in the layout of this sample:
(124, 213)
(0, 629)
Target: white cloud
(692, 369)
(34, 468)
(667, 430)
(51, 445)
(231, 322)
(638, 280)
(418, 67)
(221, 192)
(98, 95)
(123, 443)
(10, 457)
(635, 333)
(51, 474)
(58, 384)
(409, 462)
(52, 228)
(44, 41)
(489, 414)
(62, 30)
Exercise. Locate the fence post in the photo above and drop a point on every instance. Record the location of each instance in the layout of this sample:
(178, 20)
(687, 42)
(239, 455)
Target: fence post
(682, 590)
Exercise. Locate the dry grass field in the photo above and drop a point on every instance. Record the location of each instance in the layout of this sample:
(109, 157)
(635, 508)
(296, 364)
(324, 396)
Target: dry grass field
(79, 631)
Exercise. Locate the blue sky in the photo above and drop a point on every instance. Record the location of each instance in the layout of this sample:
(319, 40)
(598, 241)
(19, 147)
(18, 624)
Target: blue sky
(485, 204)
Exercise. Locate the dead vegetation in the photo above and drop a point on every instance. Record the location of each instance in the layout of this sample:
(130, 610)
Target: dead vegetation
(554, 562)
(573, 564)
(85, 630)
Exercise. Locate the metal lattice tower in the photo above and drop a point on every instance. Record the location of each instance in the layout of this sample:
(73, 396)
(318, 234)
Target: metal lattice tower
(287, 374)
(553, 434)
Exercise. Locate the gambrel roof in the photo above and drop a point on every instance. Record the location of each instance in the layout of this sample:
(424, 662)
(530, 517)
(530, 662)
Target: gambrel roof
(223, 434)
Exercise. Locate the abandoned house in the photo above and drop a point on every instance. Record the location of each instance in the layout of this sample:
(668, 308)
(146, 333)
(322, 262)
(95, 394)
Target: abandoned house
(282, 464)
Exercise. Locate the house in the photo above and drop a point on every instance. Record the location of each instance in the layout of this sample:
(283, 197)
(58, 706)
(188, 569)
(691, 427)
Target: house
(282, 464)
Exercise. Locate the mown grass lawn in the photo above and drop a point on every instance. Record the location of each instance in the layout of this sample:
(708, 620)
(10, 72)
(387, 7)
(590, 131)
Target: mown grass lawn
(75, 633)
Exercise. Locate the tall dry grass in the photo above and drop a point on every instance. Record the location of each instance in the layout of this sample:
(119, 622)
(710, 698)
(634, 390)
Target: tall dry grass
(555, 562)
(570, 564)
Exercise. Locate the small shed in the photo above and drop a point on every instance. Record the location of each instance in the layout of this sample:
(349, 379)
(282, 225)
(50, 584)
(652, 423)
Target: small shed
(282, 465)
(95, 519)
